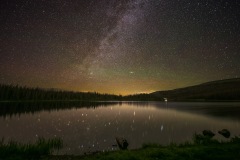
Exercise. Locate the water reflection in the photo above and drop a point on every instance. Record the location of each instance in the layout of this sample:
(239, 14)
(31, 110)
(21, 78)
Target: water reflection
(92, 129)
(18, 108)
(229, 110)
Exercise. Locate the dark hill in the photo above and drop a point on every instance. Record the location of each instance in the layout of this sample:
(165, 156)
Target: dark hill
(221, 90)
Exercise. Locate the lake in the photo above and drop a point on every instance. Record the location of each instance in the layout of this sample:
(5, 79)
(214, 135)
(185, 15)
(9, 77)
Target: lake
(89, 128)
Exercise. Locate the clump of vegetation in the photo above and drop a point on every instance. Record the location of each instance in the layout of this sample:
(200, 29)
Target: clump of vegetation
(16, 150)
(205, 140)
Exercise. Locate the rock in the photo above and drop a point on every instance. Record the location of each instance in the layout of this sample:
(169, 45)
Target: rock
(122, 143)
(208, 133)
(225, 133)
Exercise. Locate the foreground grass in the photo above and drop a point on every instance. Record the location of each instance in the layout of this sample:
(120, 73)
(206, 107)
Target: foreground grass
(211, 152)
(42, 147)
(202, 148)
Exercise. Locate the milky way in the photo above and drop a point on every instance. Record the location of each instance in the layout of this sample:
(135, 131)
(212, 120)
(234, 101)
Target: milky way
(120, 47)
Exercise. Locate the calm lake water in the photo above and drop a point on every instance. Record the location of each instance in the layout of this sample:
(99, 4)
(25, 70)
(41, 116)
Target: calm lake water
(88, 129)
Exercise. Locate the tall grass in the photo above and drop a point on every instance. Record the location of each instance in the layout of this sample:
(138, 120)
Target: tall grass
(16, 150)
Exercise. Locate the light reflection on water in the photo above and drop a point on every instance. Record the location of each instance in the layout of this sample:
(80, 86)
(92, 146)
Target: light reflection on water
(92, 129)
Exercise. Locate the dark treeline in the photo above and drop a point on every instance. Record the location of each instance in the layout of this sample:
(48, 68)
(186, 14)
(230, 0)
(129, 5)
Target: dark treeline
(17, 100)
(142, 97)
(18, 93)
(15, 93)
(222, 90)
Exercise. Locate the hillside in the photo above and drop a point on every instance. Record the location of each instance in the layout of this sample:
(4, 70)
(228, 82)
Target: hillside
(228, 89)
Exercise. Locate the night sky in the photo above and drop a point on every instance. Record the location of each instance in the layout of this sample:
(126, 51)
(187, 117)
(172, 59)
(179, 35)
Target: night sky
(120, 47)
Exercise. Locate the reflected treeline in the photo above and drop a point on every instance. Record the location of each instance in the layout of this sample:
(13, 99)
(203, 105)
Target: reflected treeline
(16, 100)
(18, 108)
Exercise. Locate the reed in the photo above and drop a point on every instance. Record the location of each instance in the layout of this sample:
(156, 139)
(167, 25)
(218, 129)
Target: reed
(16, 150)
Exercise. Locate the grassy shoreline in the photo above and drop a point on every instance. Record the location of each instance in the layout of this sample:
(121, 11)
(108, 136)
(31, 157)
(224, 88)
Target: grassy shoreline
(194, 152)
(16, 150)
(202, 147)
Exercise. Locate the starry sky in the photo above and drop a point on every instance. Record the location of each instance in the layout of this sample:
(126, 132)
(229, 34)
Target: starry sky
(120, 47)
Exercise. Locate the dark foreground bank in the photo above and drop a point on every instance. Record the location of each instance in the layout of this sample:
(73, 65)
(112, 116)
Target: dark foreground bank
(17, 151)
(204, 151)
(202, 147)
